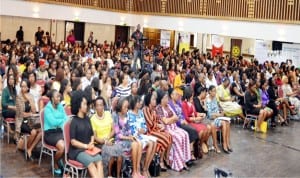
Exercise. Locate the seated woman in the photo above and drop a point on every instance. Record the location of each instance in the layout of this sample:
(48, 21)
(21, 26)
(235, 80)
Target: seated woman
(252, 105)
(175, 105)
(195, 119)
(219, 121)
(236, 89)
(8, 101)
(290, 94)
(54, 119)
(43, 101)
(200, 106)
(269, 105)
(124, 137)
(25, 109)
(102, 123)
(284, 104)
(164, 139)
(137, 124)
(82, 137)
(65, 91)
(226, 102)
(180, 151)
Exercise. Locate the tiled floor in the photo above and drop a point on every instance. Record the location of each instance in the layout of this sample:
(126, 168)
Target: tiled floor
(275, 154)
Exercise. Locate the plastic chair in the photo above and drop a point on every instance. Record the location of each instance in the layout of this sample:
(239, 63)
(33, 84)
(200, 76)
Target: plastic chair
(47, 149)
(71, 166)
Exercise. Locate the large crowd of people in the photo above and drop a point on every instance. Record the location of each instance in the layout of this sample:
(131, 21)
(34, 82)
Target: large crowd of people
(169, 103)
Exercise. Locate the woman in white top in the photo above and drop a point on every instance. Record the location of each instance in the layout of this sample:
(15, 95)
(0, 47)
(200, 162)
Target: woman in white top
(210, 80)
(290, 94)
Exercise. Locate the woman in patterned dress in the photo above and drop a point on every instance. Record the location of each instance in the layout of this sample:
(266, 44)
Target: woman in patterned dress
(138, 128)
(124, 137)
(214, 113)
(180, 152)
(164, 139)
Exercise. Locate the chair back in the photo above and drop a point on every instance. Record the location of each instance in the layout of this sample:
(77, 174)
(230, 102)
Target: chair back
(280, 92)
(66, 133)
(68, 110)
(42, 116)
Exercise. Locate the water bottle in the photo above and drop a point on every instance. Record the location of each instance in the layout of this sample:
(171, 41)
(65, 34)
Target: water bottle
(2, 131)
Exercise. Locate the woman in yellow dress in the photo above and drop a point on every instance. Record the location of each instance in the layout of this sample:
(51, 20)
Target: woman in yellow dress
(226, 102)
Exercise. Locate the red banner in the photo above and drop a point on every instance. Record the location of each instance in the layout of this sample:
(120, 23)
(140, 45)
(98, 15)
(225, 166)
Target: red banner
(217, 50)
(217, 45)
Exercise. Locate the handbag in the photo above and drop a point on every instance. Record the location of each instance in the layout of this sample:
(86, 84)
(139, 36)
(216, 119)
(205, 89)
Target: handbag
(127, 168)
(154, 167)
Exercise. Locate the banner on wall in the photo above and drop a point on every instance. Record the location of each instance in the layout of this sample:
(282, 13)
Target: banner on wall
(236, 47)
(165, 38)
(217, 45)
(292, 51)
(184, 42)
(261, 50)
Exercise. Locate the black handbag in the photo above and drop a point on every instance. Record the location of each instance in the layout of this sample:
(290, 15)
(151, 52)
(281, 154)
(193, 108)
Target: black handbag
(154, 167)
(127, 168)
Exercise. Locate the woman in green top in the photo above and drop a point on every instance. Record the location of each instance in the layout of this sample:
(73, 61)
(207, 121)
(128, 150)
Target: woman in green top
(8, 100)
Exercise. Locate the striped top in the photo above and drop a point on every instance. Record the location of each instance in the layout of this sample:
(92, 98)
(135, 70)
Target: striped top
(123, 92)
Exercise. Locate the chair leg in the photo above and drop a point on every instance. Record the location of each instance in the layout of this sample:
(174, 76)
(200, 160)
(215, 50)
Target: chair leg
(7, 130)
(52, 162)
(25, 146)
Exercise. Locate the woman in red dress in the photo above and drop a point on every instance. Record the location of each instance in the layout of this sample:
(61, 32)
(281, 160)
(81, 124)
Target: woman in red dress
(195, 119)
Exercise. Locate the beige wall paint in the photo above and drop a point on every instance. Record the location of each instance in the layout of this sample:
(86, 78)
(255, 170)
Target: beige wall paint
(248, 44)
(10, 24)
(101, 32)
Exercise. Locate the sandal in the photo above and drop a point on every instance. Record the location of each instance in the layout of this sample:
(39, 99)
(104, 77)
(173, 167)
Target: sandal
(204, 148)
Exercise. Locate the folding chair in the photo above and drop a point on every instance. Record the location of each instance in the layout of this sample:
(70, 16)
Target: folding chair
(71, 166)
(6, 123)
(47, 149)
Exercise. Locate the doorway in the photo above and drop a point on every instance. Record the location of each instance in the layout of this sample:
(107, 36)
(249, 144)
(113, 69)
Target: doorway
(122, 32)
(78, 28)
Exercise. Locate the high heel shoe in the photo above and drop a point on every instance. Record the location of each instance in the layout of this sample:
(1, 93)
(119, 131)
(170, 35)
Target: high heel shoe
(167, 165)
(230, 149)
(225, 151)
(29, 158)
(217, 150)
(186, 168)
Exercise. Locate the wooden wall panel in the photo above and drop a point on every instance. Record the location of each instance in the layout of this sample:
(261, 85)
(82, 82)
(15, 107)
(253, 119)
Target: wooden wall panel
(264, 10)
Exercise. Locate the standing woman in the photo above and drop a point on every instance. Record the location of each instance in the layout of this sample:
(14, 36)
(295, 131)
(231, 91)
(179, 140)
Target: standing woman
(25, 105)
(180, 152)
(164, 139)
(124, 137)
(54, 119)
(82, 136)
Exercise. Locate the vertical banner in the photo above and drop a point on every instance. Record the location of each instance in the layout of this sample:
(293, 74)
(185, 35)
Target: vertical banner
(217, 45)
(261, 50)
(236, 47)
(184, 42)
(165, 38)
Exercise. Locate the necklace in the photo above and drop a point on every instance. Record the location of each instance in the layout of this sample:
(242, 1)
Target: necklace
(100, 117)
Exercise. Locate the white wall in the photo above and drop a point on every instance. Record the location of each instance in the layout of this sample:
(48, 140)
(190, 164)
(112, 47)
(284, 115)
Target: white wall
(10, 24)
(101, 32)
(254, 30)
